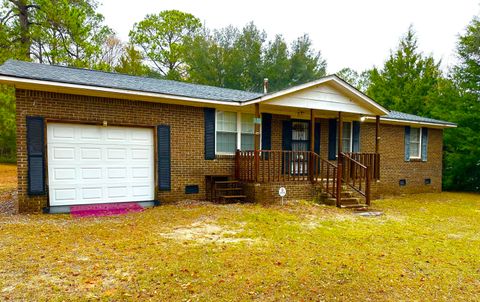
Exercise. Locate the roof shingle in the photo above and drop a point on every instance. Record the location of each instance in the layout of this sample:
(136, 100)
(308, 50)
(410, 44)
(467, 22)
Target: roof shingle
(121, 81)
(87, 77)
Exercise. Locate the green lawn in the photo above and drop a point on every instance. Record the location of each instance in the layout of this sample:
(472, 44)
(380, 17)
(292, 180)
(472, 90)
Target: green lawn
(425, 247)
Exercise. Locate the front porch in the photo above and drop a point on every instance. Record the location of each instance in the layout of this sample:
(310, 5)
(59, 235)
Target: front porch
(308, 134)
(300, 163)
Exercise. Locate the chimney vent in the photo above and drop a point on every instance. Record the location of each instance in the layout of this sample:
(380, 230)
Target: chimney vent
(265, 85)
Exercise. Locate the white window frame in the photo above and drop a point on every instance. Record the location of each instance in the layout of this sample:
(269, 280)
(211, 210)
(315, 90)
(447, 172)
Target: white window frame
(350, 148)
(239, 132)
(419, 155)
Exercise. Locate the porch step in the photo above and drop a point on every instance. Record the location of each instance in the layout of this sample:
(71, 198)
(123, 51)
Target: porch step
(223, 182)
(228, 191)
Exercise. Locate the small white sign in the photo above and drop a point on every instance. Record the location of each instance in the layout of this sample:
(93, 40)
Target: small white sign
(282, 191)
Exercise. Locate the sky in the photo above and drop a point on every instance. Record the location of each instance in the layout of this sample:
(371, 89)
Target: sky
(349, 33)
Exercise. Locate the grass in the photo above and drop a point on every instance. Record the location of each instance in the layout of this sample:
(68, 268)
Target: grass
(8, 177)
(425, 247)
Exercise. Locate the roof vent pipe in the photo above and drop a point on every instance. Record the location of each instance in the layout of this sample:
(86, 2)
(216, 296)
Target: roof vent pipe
(265, 85)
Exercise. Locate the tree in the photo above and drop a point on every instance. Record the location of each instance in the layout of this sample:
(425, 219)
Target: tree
(54, 31)
(306, 64)
(131, 62)
(459, 101)
(161, 37)
(361, 81)
(276, 64)
(407, 80)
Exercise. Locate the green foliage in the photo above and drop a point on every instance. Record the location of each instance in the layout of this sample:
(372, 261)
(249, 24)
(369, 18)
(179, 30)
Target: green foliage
(459, 102)
(241, 60)
(305, 63)
(276, 64)
(361, 81)
(7, 124)
(55, 31)
(131, 62)
(161, 37)
(407, 80)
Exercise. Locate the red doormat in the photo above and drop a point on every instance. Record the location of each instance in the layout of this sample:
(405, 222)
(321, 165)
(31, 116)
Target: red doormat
(107, 209)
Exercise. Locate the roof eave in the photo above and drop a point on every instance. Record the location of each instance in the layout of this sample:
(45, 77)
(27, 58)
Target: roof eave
(55, 86)
(410, 122)
(380, 109)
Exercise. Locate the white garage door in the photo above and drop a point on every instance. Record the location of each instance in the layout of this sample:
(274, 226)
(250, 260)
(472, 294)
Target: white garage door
(93, 164)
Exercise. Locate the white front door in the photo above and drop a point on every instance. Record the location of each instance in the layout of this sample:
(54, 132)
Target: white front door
(94, 164)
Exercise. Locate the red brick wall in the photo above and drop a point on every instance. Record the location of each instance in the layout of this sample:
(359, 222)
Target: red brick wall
(393, 166)
(187, 143)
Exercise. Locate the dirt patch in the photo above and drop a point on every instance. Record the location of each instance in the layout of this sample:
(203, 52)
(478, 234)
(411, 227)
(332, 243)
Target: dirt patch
(8, 201)
(206, 231)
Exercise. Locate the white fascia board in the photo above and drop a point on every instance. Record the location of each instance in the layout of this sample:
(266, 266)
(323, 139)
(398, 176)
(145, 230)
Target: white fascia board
(415, 123)
(28, 83)
(314, 83)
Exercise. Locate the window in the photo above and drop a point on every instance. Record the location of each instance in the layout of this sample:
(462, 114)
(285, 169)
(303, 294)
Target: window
(234, 131)
(300, 139)
(346, 137)
(415, 142)
(226, 132)
(247, 140)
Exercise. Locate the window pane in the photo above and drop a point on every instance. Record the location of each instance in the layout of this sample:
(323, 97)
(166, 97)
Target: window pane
(226, 142)
(247, 123)
(414, 150)
(414, 135)
(248, 142)
(299, 146)
(414, 142)
(226, 121)
(300, 131)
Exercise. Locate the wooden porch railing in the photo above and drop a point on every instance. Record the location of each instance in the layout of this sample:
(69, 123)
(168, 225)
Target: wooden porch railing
(371, 160)
(356, 169)
(356, 175)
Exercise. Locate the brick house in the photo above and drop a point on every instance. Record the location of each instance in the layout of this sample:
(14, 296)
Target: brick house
(88, 137)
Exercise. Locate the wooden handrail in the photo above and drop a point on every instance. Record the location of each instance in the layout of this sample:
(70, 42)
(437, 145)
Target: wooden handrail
(357, 176)
(353, 169)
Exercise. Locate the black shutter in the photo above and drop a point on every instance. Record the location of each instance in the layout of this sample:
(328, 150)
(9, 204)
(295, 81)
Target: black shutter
(35, 154)
(332, 139)
(356, 136)
(316, 145)
(424, 144)
(407, 143)
(286, 141)
(266, 131)
(209, 117)
(287, 135)
(163, 145)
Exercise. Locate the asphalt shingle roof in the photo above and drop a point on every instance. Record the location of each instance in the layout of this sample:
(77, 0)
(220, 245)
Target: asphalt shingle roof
(397, 115)
(88, 77)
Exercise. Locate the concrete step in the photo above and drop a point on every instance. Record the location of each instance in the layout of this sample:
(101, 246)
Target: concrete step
(354, 206)
(349, 200)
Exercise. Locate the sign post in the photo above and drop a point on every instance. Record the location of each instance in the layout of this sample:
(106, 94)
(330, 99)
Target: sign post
(282, 192)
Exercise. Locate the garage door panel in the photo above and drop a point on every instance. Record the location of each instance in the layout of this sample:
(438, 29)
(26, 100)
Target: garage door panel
(92, 193)
(64, 174)
(99, 164)
(91, 173)
(65, 194)
(90, 153)
(63, 153)
(117, 173)
(116, 153)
